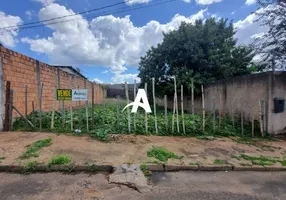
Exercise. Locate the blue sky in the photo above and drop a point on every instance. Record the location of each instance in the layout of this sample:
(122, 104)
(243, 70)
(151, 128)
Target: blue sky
(108, 48)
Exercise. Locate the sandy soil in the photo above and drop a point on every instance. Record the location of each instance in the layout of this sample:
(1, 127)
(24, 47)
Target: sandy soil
(132, 149)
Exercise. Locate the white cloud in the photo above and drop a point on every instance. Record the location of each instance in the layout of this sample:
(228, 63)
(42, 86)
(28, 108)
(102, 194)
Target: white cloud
(250, 2)
(233, 12)
(29, 14)
(7, 36)
(105, 72)
(207, 2)
(132, 2)
(129, 78)
(97, 80)
(187, 1)
(45, 2)
(247, 29)
(108, 41)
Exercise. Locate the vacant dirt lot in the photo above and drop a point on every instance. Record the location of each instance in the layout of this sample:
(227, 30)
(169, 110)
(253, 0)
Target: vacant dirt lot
(132, 149)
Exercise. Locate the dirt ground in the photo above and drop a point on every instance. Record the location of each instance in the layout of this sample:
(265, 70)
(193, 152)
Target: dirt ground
(133, 149)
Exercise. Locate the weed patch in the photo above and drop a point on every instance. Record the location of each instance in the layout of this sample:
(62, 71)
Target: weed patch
(193, 163)
(100, 133)
(283, 162)
(59, 160)
(219, 162)
(145, 170)
(261, 160)
(32, 150)
(30, 166)
(162, 154)
(236, 157)
(2, 158)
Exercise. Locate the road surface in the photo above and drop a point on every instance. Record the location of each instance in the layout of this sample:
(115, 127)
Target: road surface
(166, 186)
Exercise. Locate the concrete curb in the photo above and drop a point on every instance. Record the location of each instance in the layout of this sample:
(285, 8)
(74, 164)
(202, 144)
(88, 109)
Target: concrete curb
(57, 168)
(176, 168)
(151, 167)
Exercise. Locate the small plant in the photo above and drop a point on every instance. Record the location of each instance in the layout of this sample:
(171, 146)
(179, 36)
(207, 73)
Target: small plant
(30, 166)
(236, 157)
(162, 154)
(283, 162)
(145, 170)
(193, 163)
(59, 160)
(2, 158)
(219, 162)
(32, 150)
(92, 168)
(100, 134)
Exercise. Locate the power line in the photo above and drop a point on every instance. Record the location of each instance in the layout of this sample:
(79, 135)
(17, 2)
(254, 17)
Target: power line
(65, 16)
(91, 16)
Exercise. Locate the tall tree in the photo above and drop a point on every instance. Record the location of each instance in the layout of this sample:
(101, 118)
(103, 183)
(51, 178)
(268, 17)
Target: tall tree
(203, 51)
(271, 45)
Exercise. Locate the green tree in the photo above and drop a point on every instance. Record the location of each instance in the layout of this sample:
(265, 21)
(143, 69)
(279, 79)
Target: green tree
(271, 45)
(204, 51)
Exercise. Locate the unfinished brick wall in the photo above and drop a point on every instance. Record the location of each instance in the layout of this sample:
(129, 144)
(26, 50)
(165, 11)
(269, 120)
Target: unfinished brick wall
(22, 70)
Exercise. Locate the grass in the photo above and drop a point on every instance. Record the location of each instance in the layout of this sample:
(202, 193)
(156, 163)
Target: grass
(193, 163)
(59, 160)
(245, 164)
(162, 154)
(261, 160)
(145, 170)
(2, 158)
(283, 162)
(236, 157)
(30, 166)
(219, 162)
(107, 121)
(32, 150)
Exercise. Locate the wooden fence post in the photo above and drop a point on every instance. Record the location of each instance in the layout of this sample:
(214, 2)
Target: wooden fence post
(54, 107)
(86, 106)
(128, 110)
(117, 107)
(193, 101)
(220, 113)
(166, 112)
(71, 104)
(26, 100)
(177, 108)
(203, 107)
(7, 106)
(154, 102)
(11, 110)
(134, 90)
(182, 109)
(146, 114)
(92, 109)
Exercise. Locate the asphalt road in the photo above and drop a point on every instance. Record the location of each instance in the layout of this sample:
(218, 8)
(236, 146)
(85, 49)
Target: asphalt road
(167, 186)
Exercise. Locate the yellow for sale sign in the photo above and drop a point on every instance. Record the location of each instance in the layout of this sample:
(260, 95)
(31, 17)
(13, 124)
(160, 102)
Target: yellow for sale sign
(64, 94)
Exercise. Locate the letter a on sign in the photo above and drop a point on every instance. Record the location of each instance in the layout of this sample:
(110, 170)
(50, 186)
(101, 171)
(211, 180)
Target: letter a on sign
(145, 105)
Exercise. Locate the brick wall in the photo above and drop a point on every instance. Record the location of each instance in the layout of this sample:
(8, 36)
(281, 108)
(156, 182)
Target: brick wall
(21, 70)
